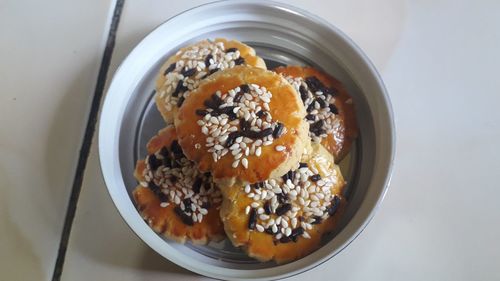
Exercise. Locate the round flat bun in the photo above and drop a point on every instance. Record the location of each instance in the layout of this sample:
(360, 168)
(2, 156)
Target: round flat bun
(182, 72)
(330, 111)
(243, 124)
(173, 197)
(285, 219)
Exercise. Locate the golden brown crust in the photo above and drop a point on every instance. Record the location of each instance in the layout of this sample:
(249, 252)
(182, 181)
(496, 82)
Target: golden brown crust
(164, 220)
(263, 246)
(340, 140)
(247, 53)
(285, 107)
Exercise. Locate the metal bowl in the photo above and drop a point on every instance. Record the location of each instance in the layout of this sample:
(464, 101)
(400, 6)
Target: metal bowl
(281, 34)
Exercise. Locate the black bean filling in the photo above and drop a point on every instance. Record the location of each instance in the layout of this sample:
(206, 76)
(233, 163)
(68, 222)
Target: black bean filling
(231, 50)
(169, 69)
(257, 135)
(334, 205)
(321, 102)
(296, 233)
(333, 108)
(278, 130)
(269, 230)
(329, 91)
(163, 197)
(156, 189)
(197, 185)
(267, 207)
(317, 127)
(207, 59)
(180, 101)
(282, 198)
(212, 71)
(252, 219)
(207, 186)
(290, 175)
(239, 61)
(244, 125)
(310, 107)
(258, 185)
(179, 89)
(314, 84)
(154, 162)
(244, 88)
(317, 220)
(173, 179)
(315, 178)
(303, 165)
(206, 205)
(187, 203)
(176, 149)
(188, 72)
(231, 138)
(303, 93)
(282, 209)
(185, 218)
(285, 239)
(201, 112)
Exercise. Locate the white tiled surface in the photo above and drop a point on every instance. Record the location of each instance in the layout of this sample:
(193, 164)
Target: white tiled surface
(50, 53)
(440, 218)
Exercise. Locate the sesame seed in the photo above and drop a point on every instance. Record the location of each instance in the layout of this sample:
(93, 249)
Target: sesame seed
(274, 228)
(259, 228)
(258, 151)
(284, 223)
(279, 148)
(264, 217)
(266, 143)
(278, 220)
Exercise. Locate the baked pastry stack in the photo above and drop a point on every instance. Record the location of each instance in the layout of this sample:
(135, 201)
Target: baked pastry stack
(247, 153)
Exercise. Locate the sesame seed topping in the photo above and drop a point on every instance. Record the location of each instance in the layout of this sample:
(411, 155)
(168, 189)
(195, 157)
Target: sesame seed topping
(193, 64)
(175, 180)
(259, 228)
(279, 148)
(235, 121)
(289, 206)
(319, 101)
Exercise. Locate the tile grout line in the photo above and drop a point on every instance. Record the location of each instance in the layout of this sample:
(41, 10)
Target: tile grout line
(87, 140)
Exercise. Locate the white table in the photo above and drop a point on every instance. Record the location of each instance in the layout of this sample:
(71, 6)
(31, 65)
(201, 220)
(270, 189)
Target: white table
(439, 59)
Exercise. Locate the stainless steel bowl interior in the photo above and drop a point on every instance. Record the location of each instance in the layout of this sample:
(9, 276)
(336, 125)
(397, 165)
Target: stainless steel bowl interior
(142, 121)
